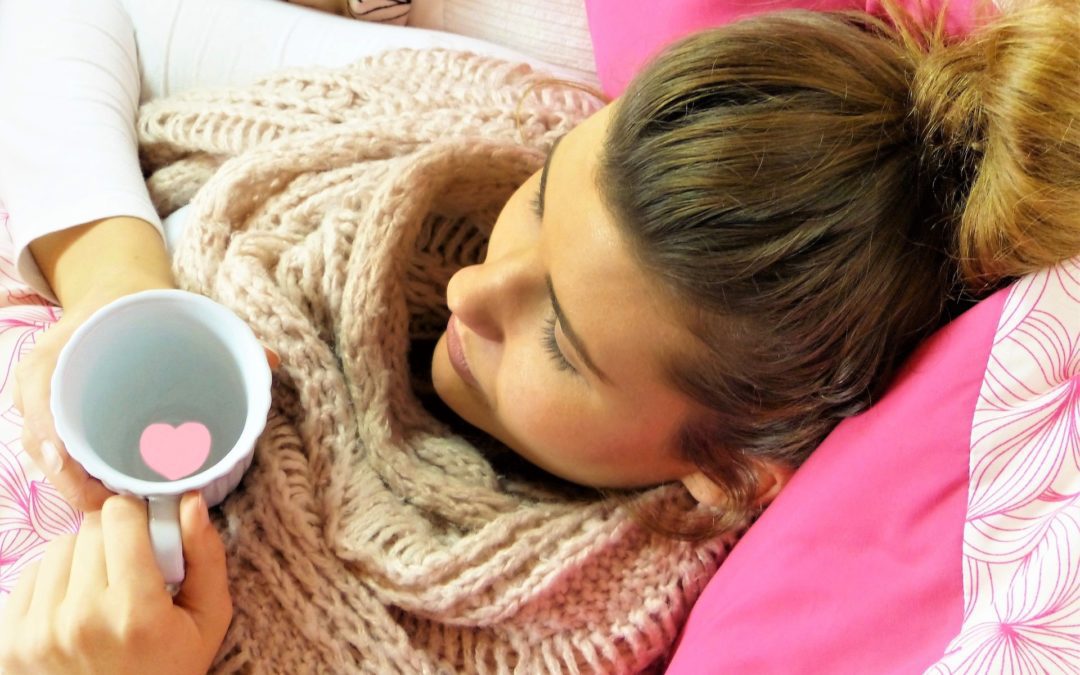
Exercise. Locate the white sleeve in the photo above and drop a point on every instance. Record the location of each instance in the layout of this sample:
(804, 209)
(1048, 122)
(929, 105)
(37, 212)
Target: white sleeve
(72, 73)
(69, 79)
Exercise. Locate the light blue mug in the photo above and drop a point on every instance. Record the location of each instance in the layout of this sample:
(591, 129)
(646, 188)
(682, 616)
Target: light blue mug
(159, 393)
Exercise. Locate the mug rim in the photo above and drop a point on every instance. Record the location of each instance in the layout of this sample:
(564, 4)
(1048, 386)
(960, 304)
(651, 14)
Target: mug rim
(257, 383)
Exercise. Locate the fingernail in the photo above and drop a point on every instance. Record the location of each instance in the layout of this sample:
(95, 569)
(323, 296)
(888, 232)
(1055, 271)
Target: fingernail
(272, 357)
(204, 514)
(50, 457)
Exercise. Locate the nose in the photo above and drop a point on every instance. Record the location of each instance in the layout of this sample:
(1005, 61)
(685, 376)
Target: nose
(488, 297)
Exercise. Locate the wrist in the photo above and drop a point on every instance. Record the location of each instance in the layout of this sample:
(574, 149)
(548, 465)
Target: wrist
(97, 262)
(110, 287)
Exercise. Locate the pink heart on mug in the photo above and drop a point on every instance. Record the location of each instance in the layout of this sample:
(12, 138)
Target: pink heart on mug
(175, 452)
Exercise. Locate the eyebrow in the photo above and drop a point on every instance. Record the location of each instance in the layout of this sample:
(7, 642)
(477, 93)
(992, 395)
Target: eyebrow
(544, 173)
(571, 335)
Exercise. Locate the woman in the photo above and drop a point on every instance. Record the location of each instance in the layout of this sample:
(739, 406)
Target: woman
(775, 211)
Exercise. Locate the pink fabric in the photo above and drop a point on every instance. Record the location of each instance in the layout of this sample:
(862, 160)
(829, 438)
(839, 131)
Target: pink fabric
(856, 567)
(31, 511)
(626, 33)
(1021, 559)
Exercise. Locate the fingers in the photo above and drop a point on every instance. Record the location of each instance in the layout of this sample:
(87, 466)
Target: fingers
(205, 591)
(88, 571)
(53, 574)
(39, 439)
(18, 603)
(80, 490)
(129, 559)
(13, 618)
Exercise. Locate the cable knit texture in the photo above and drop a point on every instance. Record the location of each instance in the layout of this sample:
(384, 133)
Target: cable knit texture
(329, 209)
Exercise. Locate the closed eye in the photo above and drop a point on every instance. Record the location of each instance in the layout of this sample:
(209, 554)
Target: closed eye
(551, 346)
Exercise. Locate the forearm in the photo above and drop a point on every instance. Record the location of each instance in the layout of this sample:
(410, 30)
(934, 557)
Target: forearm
(68, 147)
(111, 255)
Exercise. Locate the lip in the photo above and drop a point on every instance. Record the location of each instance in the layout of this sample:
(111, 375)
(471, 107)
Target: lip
(457, 353)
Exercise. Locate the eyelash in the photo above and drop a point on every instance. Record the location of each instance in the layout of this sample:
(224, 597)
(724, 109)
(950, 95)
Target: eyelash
(551, 346)
(537, 205)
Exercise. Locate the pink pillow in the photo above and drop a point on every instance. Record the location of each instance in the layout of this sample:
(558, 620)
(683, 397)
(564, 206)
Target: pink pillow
(857, 565)
(626, 33)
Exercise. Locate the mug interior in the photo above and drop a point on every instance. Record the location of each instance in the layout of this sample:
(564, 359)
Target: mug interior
(148, 364)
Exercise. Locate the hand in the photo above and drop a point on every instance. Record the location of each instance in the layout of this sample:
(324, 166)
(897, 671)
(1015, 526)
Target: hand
(33, 384)
(96, 602)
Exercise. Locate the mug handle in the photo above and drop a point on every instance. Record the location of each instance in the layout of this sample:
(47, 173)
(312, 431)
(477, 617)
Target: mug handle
(164, 519)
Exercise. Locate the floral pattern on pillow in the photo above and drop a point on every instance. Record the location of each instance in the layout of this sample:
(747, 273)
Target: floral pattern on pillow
(32, 513)
(1022, 535)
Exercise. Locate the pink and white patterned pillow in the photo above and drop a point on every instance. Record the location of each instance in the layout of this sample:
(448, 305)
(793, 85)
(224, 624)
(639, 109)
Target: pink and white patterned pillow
(1021, 558)
(31, 511)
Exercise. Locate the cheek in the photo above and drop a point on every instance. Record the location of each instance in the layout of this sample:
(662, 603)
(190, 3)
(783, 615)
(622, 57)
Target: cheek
(563, 427)
(530, 398)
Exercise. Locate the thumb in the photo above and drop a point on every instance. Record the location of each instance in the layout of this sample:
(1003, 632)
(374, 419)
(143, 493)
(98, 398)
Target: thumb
(205, 590)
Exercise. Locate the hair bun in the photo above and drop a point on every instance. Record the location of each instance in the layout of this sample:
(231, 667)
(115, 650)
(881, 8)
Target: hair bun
(998, 121)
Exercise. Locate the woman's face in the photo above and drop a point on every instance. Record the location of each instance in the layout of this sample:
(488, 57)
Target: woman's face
(556, 342)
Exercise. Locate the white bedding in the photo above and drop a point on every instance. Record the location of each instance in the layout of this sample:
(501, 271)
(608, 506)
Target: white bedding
(72, 73)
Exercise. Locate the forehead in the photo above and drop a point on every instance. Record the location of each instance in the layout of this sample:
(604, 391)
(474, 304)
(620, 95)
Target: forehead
(626, 319)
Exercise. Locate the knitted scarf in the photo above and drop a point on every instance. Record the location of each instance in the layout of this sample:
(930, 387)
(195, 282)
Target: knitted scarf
(329, 209)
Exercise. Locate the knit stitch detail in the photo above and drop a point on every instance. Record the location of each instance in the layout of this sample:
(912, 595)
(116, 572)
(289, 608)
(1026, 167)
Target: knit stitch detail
(330, 207)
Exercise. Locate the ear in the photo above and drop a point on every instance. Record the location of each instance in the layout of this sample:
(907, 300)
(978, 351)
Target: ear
(771, 478)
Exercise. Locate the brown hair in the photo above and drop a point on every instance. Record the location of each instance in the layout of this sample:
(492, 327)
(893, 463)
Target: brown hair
(817, 190)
